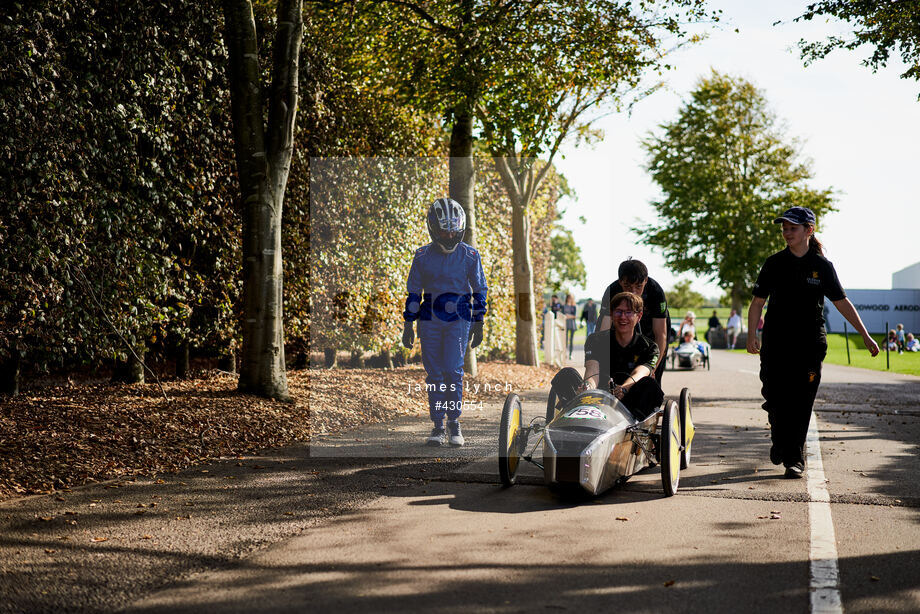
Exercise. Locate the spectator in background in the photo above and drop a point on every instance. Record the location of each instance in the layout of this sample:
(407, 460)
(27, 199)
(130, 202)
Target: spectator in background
(589, 317)
(733, 328)
(569, 311)
(892, 341)
(900, 334)
(911, 344)
(688, 325)
(555, 307)
(714, 324)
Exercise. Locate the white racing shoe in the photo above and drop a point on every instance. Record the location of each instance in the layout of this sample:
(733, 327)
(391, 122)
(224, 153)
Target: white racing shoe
(455, 437)
(437, 437)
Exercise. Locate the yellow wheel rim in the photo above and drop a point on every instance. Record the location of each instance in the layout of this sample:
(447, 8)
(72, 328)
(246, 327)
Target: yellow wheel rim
(674, 451)
(513, 431)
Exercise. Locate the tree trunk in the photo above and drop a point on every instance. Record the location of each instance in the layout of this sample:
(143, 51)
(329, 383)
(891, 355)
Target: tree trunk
(302, 360)
(357, 359)
(525, 338)
(462, 183)
(227, 362)
(182, 361)
(737, 296)
(525, 333)
(330, 360)
(135, 371)
(9, 374)
(263, 162)
(387, 359)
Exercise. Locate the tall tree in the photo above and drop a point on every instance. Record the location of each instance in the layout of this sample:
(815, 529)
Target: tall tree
(578, 57)
(263, 154)
(520, 71)
(725, 170)
(682, 297)
(892, 26)
(566, 268)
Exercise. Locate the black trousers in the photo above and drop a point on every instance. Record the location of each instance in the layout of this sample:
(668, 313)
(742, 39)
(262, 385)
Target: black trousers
(644, 397)
(790, 376)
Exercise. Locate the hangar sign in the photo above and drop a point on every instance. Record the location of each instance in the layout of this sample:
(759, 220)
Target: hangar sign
(876, 307)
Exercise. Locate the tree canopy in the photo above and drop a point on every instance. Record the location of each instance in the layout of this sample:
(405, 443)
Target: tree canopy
(890, 27)
(682, 296)
(566, 268)
(726, 170)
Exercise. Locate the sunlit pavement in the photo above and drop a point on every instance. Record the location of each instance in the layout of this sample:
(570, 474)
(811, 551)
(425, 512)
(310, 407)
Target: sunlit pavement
(735, 538)
(374, 521)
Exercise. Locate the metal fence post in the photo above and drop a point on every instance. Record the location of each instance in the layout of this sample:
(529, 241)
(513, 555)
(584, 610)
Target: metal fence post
(887, 358)
(846, 334)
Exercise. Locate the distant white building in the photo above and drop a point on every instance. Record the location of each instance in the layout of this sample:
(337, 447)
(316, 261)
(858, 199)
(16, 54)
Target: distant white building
(881, 308)
(907, 278)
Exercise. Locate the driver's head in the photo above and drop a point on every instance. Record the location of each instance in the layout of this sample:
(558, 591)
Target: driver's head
(446, 224)
(626, 311)
(688, 336)
(633, 275)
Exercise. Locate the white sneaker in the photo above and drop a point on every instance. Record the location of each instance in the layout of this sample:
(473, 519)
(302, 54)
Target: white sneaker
(437, 437)
(455, 436)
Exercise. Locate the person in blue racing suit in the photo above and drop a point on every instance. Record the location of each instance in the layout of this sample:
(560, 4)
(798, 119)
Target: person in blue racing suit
(447, 296)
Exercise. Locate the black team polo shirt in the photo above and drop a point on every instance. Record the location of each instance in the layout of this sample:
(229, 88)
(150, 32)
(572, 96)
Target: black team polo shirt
(616, 361)
(796, 288)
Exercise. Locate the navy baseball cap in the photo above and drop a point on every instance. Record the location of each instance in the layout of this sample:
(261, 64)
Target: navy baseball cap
(797, 215)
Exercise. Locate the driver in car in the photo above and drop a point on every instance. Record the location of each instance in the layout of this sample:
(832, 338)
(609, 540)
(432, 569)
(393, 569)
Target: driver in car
(621, 360)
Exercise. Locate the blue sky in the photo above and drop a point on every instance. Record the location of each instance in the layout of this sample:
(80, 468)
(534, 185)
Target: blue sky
(860, 129)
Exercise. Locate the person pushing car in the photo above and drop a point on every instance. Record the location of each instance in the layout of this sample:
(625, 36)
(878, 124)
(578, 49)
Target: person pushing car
(447, 297)
(655, 321)
(621, 360)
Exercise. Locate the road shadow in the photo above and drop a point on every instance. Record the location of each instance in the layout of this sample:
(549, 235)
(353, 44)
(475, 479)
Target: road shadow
(868, 413)
(695, 584)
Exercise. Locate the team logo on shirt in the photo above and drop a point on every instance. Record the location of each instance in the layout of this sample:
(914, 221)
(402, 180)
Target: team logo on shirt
(811, 377)
(813, 280)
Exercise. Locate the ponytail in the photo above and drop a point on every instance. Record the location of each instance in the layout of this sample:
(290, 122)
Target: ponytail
(814, 245)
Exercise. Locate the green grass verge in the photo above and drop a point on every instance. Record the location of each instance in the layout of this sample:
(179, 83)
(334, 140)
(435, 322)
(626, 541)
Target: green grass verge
(907, 363)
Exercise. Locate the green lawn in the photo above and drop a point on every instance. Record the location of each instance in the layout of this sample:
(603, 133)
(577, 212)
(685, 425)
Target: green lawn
(907, 363)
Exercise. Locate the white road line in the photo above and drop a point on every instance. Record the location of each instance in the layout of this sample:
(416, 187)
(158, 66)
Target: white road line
(825, 579)
(747, 371)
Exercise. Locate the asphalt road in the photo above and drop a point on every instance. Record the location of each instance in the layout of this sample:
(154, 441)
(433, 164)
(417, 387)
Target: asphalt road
(374, 521)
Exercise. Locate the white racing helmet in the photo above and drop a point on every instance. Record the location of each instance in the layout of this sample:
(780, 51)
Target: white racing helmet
(446, 224)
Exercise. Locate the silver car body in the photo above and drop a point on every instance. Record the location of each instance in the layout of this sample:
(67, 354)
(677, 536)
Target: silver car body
(595, 441)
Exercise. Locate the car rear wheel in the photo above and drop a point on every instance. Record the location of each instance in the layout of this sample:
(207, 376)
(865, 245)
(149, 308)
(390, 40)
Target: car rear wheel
(686, 427)
(669, 449)
(510, 444)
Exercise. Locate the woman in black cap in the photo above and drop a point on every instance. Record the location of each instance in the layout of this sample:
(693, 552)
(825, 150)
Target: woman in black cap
(796, 280)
